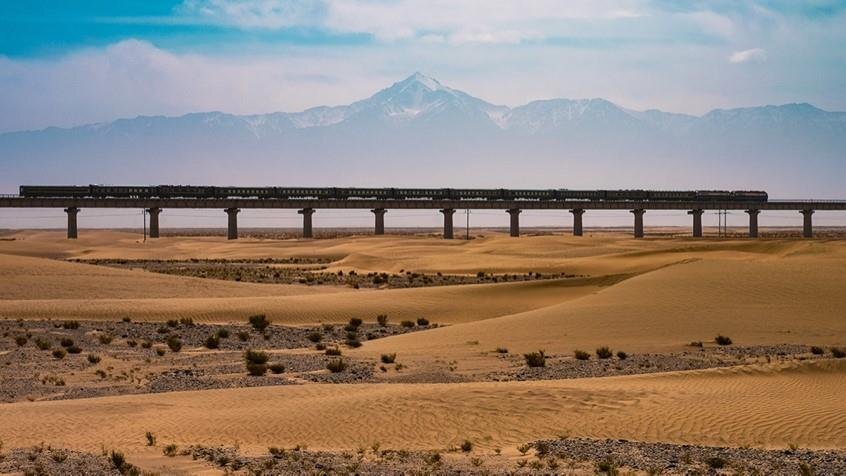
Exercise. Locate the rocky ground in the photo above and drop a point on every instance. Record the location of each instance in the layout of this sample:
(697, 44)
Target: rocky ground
(670, 459)
(68, 359)
(309, 271)
(44, 460)
(704, 357)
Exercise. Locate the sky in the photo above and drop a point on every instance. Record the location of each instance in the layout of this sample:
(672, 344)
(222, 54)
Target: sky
(73, 62)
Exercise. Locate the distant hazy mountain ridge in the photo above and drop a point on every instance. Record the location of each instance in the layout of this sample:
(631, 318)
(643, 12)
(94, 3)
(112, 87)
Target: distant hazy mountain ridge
(420, 132)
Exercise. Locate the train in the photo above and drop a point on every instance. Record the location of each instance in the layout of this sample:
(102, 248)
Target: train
(342, 193)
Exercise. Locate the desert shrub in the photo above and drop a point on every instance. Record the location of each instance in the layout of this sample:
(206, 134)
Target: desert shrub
(212, 342)
(146, 344)
(336, 365)
(422, 321)
(151, 439)
(74, 349)
(66, 342)
(715, 462)
(722, 340)
(355, 322)
(328, 327)
(118, 460)
(105, 339)
(606, 467)
(466, 446)
(172, 323)
(389, 358)
(186, 321)
(223, 333)
(277, 368)
(43, 344)
(126, 319)
(132, 343)
(256, 370)
(21, 341)
(162, 330)
(351, 329)
(581, 355)
(174, 343)
(535, 359)
(70, 325)
(353, 343)
(817, 350)
(59, 353)
(541, 448)
(501, 350)
(315, 337)
(169, 450)
(320, 346)
(622, 355)
(382, 319)
(100, 373)
(160, 352)
(696, 343)
(604, 353)
(243, 336)
(838, 353)
(352, 335)
(333, 351)
(94, 358)
(256, 357)
(259, 322)
(407, 323)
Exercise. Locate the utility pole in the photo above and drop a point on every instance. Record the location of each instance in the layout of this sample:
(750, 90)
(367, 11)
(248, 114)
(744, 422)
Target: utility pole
(467, 212)
(144, 219)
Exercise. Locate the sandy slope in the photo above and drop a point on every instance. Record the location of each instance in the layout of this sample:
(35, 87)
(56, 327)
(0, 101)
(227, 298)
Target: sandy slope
(752, 301)
(38, 279)
(444, 304)
(765, 406)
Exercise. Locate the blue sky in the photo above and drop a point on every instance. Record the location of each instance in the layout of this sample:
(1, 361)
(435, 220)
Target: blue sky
(72, 62)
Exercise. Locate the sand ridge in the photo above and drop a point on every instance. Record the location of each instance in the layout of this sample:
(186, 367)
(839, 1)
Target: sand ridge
(762, 407)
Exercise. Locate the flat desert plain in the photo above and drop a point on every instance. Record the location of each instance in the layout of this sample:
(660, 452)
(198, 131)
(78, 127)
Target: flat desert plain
(723, 355)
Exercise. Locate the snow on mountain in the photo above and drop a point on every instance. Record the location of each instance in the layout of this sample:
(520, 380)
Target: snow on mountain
(427, 133)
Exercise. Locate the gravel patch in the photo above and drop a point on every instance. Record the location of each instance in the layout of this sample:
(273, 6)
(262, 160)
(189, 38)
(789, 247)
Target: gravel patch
(671, 459)
(43, 460)
(568, 367)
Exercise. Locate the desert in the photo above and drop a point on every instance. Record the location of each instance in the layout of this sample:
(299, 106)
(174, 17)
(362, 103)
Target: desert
(547, 353)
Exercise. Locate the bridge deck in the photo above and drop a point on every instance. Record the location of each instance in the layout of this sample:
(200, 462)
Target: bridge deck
(24, 202)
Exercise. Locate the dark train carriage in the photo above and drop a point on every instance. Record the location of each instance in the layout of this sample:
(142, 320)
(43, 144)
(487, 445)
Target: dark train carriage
(123, 191)
(673, 195)
(565, 194)
(713, 195)
(626, 195)
(749, 195)
(531, 195)
(63, 191)
(476, 194)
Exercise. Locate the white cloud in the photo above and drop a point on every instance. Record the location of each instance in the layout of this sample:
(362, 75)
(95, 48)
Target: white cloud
(757, 55)
(458, 21)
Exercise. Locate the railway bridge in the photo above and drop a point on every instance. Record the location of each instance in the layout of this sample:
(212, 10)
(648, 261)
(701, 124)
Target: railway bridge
(380, 208)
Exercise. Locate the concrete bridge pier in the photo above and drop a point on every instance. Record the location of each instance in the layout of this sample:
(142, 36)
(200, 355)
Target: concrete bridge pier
(72, 230)
(807, 225)
(307, 213)
(154, 221)
(638, 222)
(515, 221)
(577, 221)
(697, 221)
(753, 222)
(380, 220)
(448, 213)
(232, 229)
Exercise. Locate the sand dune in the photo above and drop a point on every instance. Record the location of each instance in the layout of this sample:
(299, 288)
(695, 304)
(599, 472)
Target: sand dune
(752, 301)
(28, 278)
(763, 406)
(443, 304)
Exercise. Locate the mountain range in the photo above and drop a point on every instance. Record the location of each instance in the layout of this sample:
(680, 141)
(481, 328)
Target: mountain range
(419, 132)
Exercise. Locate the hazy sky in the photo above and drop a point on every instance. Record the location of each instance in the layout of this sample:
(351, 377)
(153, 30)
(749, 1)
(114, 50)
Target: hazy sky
(80, 61)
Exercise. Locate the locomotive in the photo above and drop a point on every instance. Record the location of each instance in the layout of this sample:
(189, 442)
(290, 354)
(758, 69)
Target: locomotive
(340, 193)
